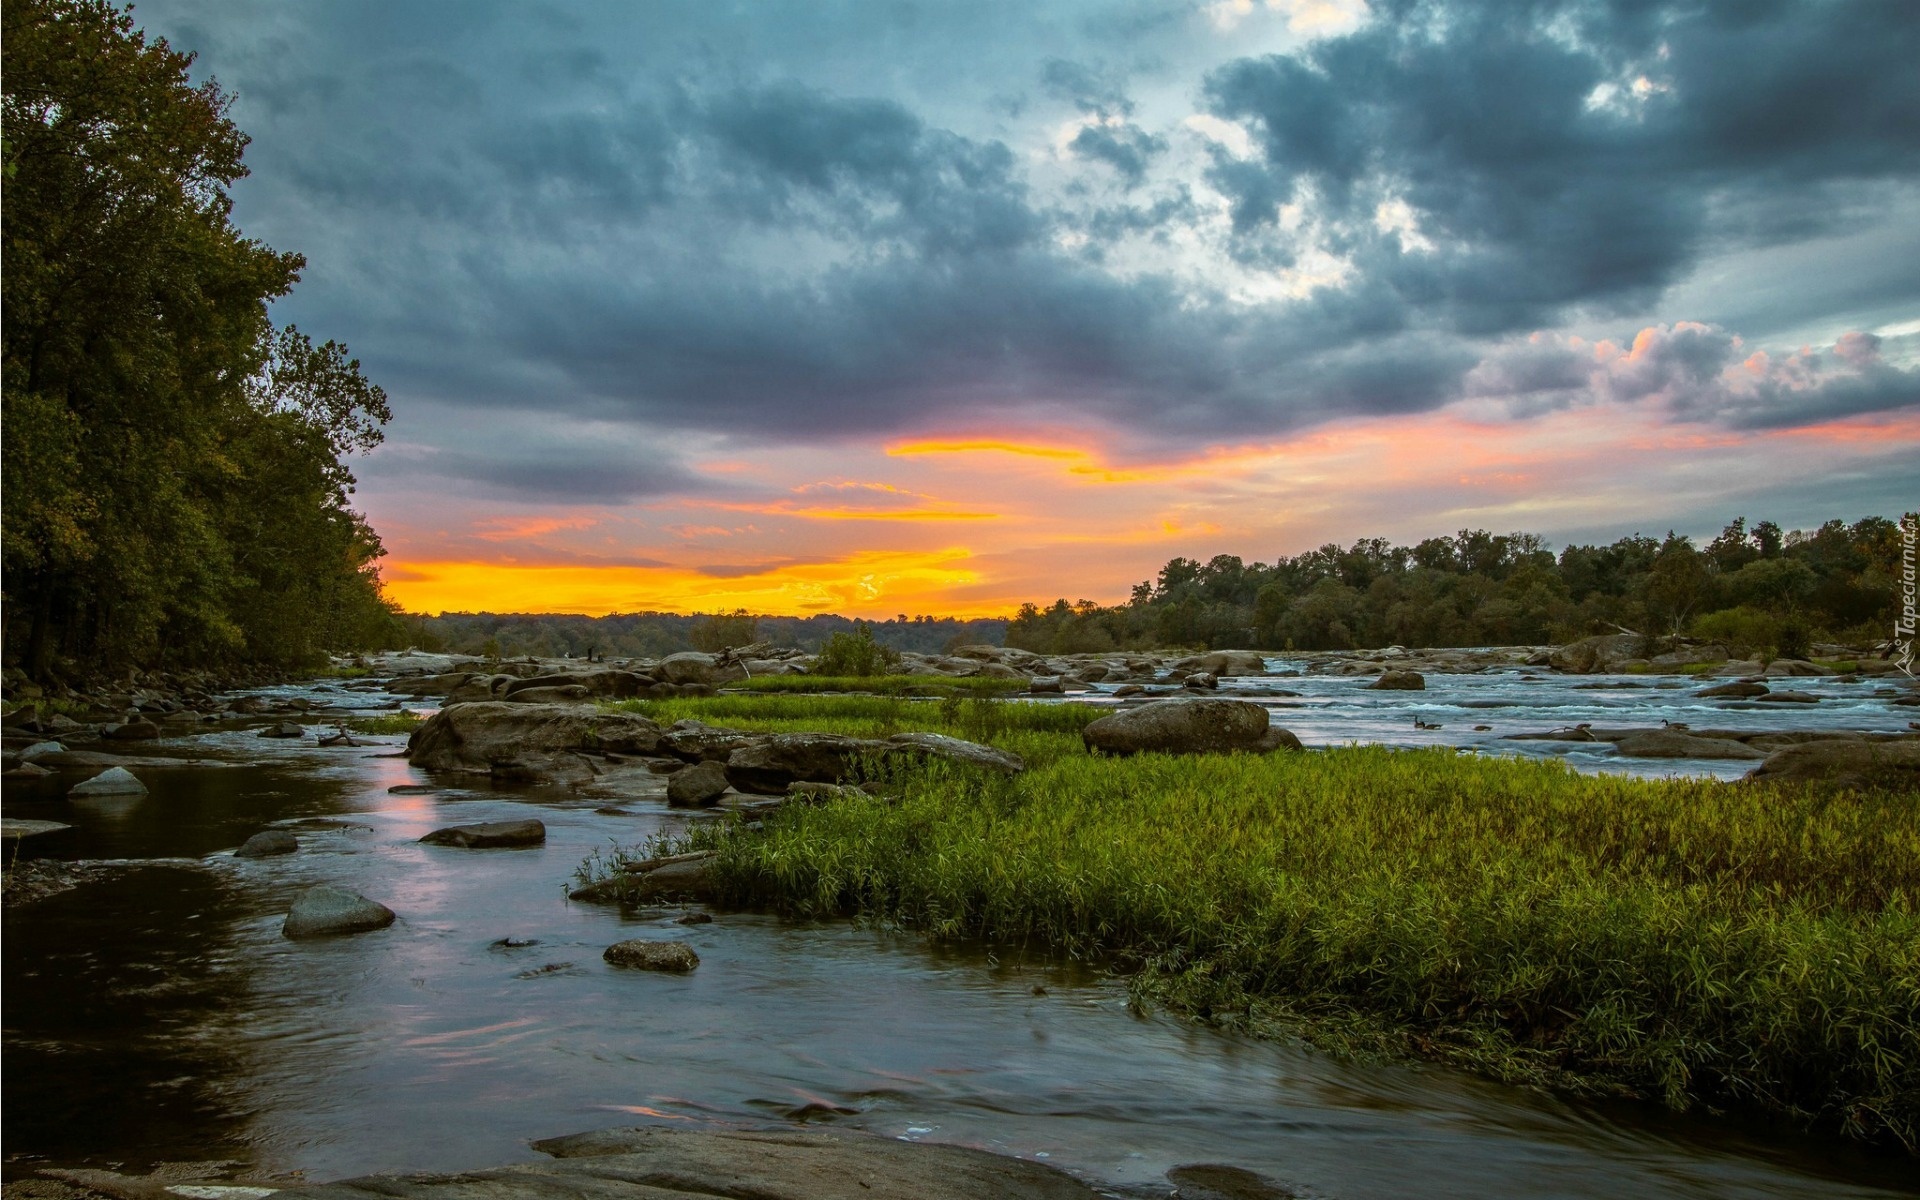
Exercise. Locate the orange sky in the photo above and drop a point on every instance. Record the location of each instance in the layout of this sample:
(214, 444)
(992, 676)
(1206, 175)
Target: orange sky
(973, 524)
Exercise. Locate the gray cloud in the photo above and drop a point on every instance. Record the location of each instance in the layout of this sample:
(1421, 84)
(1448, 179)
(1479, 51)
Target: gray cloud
(822, 226)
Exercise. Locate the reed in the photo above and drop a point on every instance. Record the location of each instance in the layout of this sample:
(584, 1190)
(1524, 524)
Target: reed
(1689, 941)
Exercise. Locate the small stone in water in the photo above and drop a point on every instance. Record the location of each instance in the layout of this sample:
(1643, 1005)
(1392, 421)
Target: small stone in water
(695, 918)
(653, 956)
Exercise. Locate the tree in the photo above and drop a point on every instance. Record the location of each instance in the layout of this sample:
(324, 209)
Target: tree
(172, 460)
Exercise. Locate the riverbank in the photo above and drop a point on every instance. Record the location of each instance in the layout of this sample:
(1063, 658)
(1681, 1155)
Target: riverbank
(1684, 941)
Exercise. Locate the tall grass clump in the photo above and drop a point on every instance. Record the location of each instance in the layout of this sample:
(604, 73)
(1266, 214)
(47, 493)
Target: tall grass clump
(1689, 941)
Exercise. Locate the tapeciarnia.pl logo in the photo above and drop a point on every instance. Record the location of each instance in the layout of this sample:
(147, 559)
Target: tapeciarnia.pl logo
(1903, 625)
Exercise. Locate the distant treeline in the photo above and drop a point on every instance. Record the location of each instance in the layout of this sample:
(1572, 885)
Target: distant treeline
(653, 634)
(172, 464)
(1760, 589)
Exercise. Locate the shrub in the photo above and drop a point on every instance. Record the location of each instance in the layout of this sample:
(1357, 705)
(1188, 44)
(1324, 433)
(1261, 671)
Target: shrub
(856, 655)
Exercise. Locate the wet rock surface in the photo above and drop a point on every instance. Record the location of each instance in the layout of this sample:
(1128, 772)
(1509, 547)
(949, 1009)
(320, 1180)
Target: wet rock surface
(268, 843)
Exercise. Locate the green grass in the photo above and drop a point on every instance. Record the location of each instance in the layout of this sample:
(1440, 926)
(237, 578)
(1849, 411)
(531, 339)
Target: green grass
(883, 685)
(399, 722)
(1688, 941)
(1037, 732)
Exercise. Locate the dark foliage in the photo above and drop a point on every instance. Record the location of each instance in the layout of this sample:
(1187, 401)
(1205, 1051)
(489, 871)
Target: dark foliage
(174, 489)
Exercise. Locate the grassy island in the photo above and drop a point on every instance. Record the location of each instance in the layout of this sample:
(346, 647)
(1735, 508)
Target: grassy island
(1693, 942)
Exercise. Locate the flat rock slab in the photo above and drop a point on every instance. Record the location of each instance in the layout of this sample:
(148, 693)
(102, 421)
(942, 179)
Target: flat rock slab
(1668, 743)
(1180, 727)
(681, 1164)
(490, 835)
(324, 911)
(652, 956)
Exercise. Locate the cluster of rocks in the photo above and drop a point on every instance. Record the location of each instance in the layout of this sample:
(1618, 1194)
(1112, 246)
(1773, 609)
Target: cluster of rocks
(1812, 756)
(574, 744)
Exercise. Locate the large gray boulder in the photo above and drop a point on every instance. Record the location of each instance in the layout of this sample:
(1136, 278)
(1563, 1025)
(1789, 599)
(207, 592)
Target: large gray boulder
(498, 737)
(324, 911)
(1890, 764)
(1740, 690)
(696, 742)
(1672, 743)
(489, 835)
(788, 1163)
(1179, 727)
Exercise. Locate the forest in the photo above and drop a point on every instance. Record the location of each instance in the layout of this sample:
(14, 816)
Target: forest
(653, 634)
(173, 463)
(1758, 588)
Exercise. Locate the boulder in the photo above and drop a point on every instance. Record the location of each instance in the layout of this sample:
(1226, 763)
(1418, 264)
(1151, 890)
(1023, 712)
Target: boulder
(489, 835)
(114, 781)
(323, 911)
(1788, 698)
(1201, 682)
(20, 827)
(1222, 663)
(1741, 690)
(697, 786)
(284, 729)
(1672, 743)
(653, 956)
(41, 750)
(474, 737)
(1790, 667)
(26, 770)
(137, 730)
(1845, 762)
(1278, 739)
(1179, 727)
(1596, 654)
(267, 843)
(1045, 685)
(1399, 681)
(696, 742)
(692, 666)
(571, 693)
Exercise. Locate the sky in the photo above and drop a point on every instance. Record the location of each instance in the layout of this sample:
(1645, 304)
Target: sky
(893, 307)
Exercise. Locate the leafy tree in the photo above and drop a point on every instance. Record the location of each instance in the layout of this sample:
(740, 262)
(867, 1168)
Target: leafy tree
(856, 654)
(724, 631)
(171, 465)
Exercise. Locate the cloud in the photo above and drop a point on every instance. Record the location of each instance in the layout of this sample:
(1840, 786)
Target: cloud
(681, 229)
(1699, 373)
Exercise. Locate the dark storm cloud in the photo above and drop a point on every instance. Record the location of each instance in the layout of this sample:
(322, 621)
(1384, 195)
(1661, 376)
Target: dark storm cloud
(788, 228)
(1570, 154)
(521, 469)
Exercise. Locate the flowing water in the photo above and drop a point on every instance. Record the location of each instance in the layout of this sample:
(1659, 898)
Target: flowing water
(158, 1015)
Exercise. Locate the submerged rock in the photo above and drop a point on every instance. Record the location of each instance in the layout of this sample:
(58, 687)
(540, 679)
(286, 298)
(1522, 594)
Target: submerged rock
(652, 956)
(1400, 681)
(1179, 727)
(1740, 690)
(324, 911)
(489, 835)
(267, 843)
